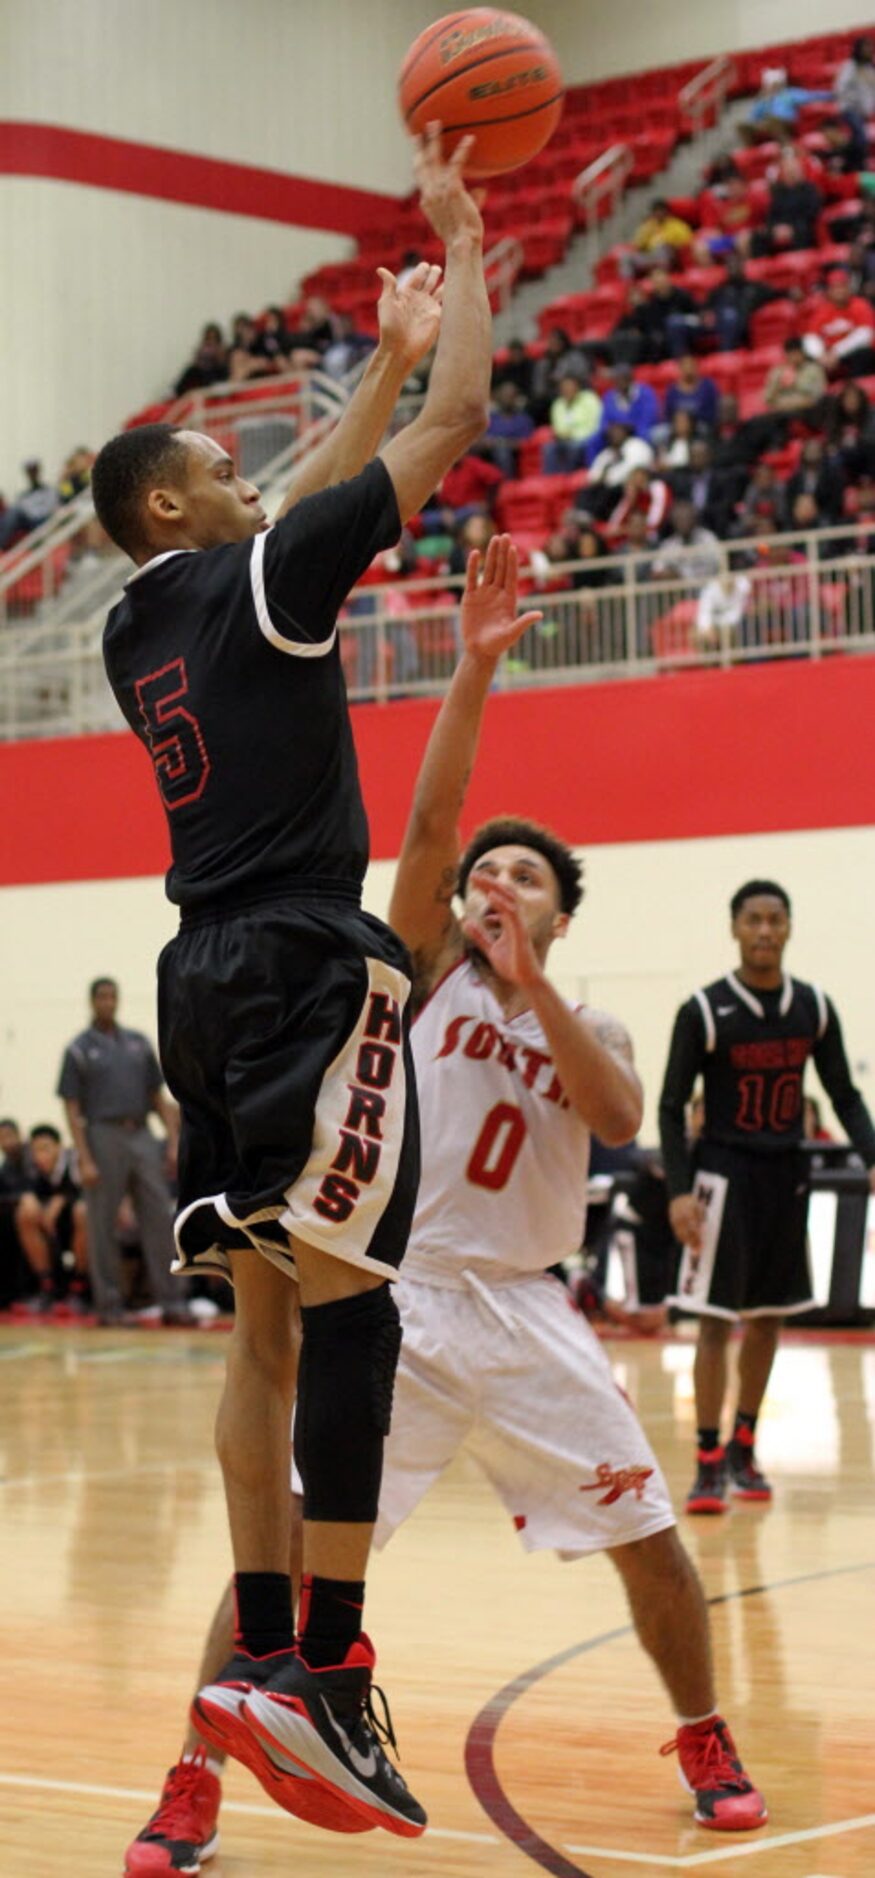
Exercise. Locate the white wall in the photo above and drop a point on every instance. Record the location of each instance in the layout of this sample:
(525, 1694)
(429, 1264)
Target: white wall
(594, 40)
(654, 924)
(103, 294)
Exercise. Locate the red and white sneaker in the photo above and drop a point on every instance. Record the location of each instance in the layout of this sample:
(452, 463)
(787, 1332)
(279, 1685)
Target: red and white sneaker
(708, 1491)
(709, 1768)
(746, 1481)
(216, 1713)
(183, 1830)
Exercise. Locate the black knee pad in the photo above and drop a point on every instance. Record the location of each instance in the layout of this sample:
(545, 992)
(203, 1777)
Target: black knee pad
(346, 1376)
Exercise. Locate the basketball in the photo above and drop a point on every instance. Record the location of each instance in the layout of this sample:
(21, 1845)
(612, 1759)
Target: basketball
(487, 73)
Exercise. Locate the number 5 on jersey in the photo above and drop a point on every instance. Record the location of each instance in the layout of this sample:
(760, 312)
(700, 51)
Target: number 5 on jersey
(175, 739)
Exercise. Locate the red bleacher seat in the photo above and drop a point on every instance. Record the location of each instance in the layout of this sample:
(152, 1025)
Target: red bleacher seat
(771, 325)
(528, 504)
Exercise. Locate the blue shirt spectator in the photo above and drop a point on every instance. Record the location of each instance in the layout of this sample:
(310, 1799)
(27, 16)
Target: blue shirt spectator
(692, 393)
(509, 425)
(628, 402)
(781, 103)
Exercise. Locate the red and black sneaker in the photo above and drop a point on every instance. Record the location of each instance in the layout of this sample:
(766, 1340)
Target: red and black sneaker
(709, 1768)
(745, 1478)
(183, 1830)
(324, 1721)
(216, 1713)
(708, 1491)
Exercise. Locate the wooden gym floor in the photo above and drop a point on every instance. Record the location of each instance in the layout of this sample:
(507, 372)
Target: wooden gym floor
(114, 1550)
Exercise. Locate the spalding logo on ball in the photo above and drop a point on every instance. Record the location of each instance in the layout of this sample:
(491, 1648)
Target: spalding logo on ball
(487, 74)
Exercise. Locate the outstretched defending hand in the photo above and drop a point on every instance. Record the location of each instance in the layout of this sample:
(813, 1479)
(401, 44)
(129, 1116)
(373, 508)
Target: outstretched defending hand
(498, 931)
(410, 312)
(444, 200)
(489, 603)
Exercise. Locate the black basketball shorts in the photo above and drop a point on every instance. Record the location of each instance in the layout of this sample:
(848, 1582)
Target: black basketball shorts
(754, 1258)
(283, 1032)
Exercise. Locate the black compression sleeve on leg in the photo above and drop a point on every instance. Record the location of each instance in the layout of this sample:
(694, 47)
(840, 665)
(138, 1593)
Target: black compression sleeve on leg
(349, 1355)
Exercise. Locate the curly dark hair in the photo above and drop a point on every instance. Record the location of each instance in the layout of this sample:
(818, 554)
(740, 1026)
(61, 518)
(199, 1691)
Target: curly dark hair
(515, 831)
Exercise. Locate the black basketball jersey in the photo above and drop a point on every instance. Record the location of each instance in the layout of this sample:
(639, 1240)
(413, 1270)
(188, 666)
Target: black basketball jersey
(751, 1048)
(226, 665)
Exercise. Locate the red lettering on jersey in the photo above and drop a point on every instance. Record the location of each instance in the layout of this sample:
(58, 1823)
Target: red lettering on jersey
(556, 1093)
(365, 1112)
(374, 1065)
(336, 1198)
(359, 1156)
(506, 1053)
(535, 1061)
(384, 1018)
(617, 1480)
(481, 1043)
(451, 1040)
(775, 1053)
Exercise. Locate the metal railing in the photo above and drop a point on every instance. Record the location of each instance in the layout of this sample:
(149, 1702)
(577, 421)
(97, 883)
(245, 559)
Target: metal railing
(793, 596)
(501, 266)
(703, 98)
(599, 189)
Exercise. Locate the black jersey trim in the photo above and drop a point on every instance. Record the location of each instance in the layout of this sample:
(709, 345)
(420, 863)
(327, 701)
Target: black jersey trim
(298, 648)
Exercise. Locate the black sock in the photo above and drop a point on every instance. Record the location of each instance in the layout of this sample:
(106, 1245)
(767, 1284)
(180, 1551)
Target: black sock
(331, 1619)
(709, 1439)
(263, 1604)
(747, 1422)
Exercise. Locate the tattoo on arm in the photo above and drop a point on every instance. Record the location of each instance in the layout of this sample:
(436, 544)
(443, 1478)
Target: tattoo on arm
(612, 1035)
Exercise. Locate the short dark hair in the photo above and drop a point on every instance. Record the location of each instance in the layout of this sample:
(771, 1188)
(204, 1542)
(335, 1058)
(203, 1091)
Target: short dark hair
(793, 343)
(6, 1121)
(96, 983)
(125, 470)
(45, 1128)
(514, 831)
(751, 891)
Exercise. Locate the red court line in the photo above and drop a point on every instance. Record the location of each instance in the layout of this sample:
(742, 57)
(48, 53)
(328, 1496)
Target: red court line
(480, 1744)
(155, 170)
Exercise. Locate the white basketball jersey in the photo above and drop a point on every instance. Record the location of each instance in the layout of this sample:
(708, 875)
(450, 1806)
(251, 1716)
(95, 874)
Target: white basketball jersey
(504, 1156)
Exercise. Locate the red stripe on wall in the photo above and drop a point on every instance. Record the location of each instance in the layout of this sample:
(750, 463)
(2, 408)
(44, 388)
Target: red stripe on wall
(716, 753)
(144, 169)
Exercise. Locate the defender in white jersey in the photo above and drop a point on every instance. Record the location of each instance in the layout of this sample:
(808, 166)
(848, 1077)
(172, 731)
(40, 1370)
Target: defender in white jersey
(511, 1079)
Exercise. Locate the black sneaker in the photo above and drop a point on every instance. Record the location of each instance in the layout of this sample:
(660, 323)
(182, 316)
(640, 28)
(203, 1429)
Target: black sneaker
(324, 1720)
(708, 1491)
(216, 1713)
(745, 1477)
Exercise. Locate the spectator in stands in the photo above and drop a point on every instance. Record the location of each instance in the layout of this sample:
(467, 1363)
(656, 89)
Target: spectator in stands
(840, 328)
(674, 442)
(623, 452)
(819, 475)
(762, 499)
(861, 260)
(690, 552)
(31, 507)
(723, 603)
(469, 487)
(243, 360)
(516, 369)
(476, 532)
(850, 430)
(636, 545)
(734, 214)
(208, 364)
(693, 393)
(668, 318)
(16, 1169)
(347, 348)
(591, 552)
(575, 418)
(630, 402)
(50, 1221)
(812, 1120)
(730, 306)
(855, 94)
(712, 492)
(272, 342)
(75, 476)
(546, 373)
(509, 426)
(658, 241)
(645, 495)
(794, 206)
(318, 326)
(777, 108)
(803, 516)
(795, 384)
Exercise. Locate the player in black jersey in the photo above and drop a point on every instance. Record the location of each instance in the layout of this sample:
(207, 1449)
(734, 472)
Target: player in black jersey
(739, 1200)
(282, 1006)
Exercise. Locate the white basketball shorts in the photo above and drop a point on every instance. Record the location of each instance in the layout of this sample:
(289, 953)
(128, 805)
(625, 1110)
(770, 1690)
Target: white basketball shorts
(514, 1374)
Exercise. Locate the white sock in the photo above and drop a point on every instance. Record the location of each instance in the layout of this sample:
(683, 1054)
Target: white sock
(692, 1721)
(213, 1766)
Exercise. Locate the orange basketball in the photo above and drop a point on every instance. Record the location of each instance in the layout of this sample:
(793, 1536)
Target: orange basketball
(489, 73)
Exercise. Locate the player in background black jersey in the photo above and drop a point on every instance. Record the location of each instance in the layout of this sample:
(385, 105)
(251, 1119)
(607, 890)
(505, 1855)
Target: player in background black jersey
(282, 1006)
(739, 1198)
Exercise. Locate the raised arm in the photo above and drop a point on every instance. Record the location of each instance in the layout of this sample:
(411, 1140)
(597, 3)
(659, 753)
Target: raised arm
(409, 318)
(456, 408)
(421, 904)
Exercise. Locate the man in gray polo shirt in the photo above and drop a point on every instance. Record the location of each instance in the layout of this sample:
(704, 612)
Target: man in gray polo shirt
(110, 1082)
